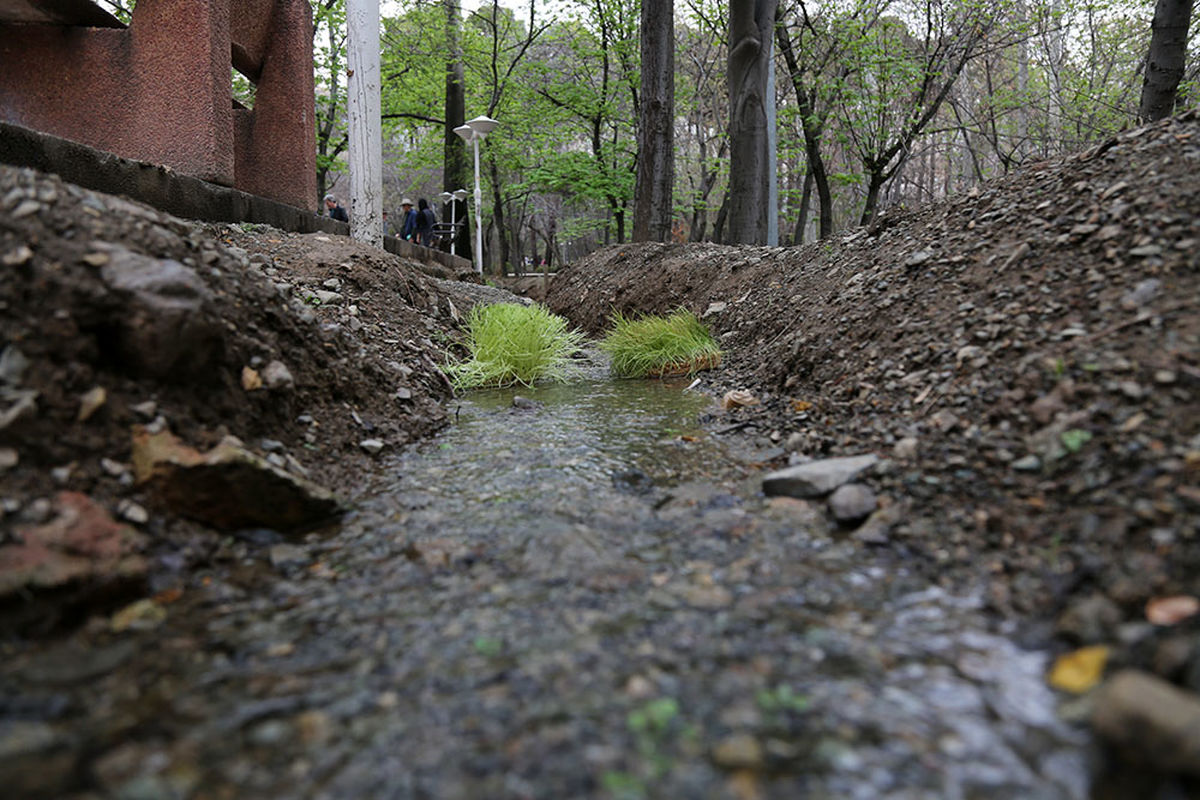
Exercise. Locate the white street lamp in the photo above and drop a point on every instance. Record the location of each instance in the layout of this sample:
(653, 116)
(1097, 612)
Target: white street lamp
(474, 132)
(446, 197)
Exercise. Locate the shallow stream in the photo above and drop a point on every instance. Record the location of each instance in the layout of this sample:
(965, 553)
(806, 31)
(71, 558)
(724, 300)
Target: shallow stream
(582, 598)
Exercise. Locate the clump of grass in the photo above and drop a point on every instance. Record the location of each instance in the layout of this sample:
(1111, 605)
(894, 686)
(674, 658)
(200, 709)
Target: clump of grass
(510, 344)
(654, 346)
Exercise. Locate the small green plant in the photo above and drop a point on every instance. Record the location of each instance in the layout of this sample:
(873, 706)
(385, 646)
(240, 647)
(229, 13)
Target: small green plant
(1075, 439)
(781, 698)
(510, 344)
(654, 346)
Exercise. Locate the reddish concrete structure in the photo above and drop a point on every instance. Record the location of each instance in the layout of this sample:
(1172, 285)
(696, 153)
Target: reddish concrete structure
(160, 90)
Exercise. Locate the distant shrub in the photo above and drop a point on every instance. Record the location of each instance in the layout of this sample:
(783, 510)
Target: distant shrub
(654, 346)
(510, 344)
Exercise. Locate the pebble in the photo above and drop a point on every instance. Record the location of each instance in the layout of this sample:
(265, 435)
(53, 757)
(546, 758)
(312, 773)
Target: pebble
(277, 377)
(288, 555)
(8, 458)
(372, 446)
(146, 410)
(1029, 463)
(852, 502)
(739, 751)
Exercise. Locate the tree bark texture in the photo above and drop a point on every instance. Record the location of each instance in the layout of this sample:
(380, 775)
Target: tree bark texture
(366, 132)
(652, 204)
(1164, 63)
(751, 23)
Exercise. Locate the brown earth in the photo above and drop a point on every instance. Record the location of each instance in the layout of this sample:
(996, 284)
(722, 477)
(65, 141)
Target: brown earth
(1027, 356)
(152, 316)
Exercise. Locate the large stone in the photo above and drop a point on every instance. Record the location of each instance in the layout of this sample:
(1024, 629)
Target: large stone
(817, 478)
(852, 502)
(80, 543)
(228, 487)
(162, 330)
(1149, 721)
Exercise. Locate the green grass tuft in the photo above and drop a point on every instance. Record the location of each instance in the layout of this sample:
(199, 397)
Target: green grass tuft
(653, 346)
(510, 344)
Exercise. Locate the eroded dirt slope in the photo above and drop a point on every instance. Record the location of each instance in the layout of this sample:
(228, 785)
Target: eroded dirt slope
(1028, 356)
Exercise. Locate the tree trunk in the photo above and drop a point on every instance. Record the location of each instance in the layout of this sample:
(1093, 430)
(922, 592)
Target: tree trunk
(364, 109)
(805, 206)
(813, 128)
(652, 203)
(456, 169)
(498, 215)
(875, 181)
(722, 215)
(751, 23)
(1164, 63)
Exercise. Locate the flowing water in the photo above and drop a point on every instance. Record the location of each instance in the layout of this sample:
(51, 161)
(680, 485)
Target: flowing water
(583, 598)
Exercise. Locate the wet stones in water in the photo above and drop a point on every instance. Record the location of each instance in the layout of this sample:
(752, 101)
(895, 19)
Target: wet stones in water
(525, 404)
(632, 481)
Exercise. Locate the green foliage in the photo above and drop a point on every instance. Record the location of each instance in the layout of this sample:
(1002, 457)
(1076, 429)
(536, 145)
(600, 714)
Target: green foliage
(781, 698)
(510, 344)
(654, 717)
(1075, 439)
(654, 345)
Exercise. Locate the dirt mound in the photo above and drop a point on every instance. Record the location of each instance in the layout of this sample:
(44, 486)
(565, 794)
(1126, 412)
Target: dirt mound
(1027, 355)
(115, 315)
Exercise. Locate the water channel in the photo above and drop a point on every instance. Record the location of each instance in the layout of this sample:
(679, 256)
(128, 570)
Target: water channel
(584, 597)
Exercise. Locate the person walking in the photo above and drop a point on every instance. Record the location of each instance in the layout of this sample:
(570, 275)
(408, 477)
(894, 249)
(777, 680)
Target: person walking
(408, 220)
(426, 219)
(335, 209)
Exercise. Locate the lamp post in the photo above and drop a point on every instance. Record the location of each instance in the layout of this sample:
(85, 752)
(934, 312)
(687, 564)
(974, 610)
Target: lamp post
(446, 197)
(474, 132)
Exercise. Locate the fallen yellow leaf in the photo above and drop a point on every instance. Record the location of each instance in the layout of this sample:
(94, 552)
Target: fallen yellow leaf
(800, 406)
(1079, 670)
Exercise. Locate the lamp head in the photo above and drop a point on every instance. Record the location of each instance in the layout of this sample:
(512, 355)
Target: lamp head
(466, 132)
(482, 125)
(460, 194)
(445, 197)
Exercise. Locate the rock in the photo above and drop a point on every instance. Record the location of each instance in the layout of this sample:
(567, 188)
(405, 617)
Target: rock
(91, 402)
(1029, 463)
(163, 330)
(817, 478)
(706, 597)
(404, 393)
(524, 403)
(327, 298)
(1090, 620)
(81, 542)
(288, 555)
(22, 404)
(907, 448)
(132, 512)
(143, 615)
(1141, 294)
(17, 256)
(715, 308)
(13, 364)
(251, 380)
(146, 410)
(1149, 721)
(277, 377)
(8, 458)
(852, 502)
(372, 446)
(739, 751)
(229, 487)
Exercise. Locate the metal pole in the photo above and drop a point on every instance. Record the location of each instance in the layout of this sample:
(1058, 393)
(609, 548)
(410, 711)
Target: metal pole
(478, 212)
(453, 227)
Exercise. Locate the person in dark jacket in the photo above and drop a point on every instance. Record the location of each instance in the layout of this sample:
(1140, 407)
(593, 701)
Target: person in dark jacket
(425, 222)
(335, 209)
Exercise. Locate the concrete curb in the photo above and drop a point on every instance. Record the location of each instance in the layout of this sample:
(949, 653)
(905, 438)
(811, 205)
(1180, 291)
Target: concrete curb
(182, 195)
